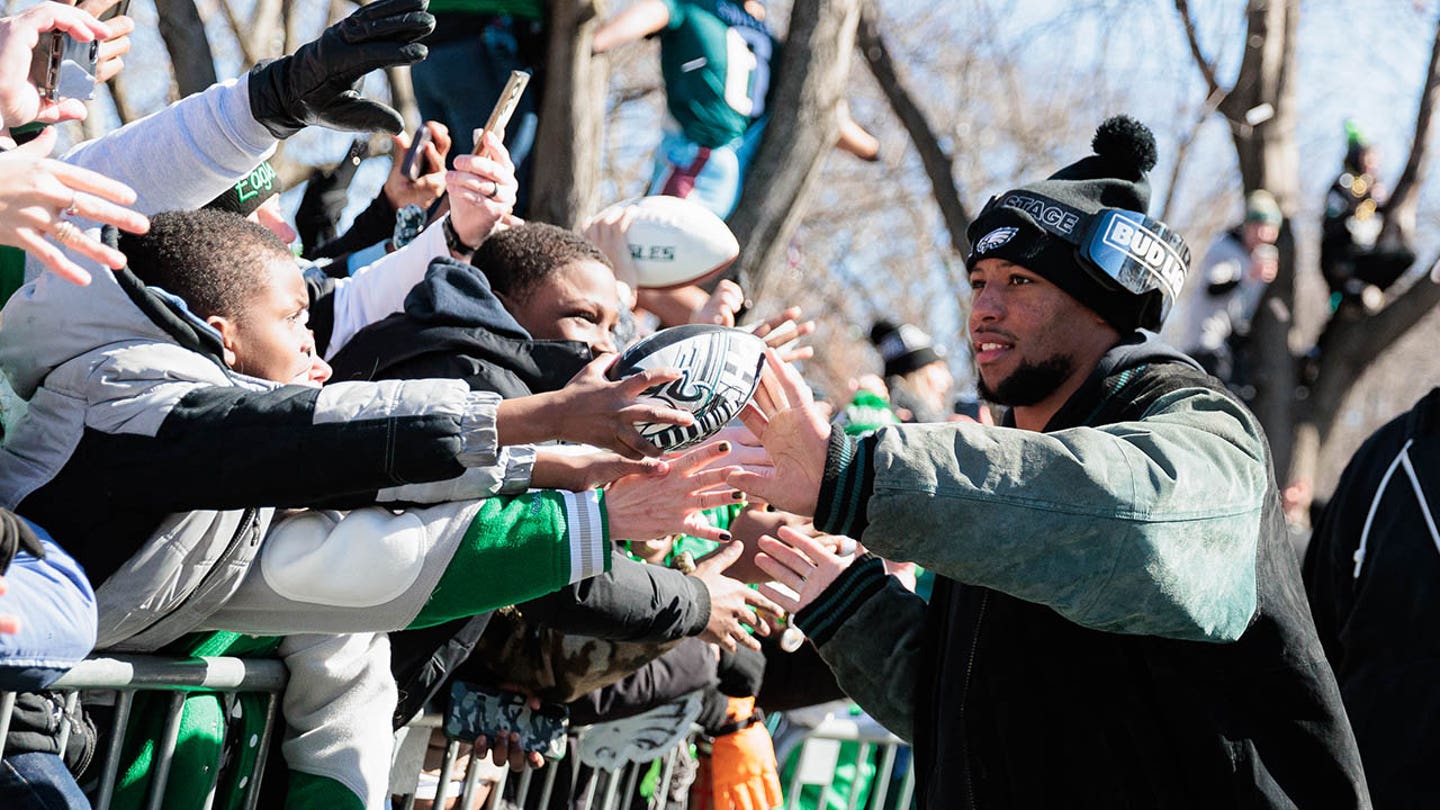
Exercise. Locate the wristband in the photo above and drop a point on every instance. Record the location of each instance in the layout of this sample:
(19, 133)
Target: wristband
(453, 240)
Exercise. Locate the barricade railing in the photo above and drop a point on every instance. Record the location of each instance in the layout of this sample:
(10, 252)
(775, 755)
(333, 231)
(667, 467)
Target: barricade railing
(820, 756)
(603, 789)
(125, 675)
(128, 674)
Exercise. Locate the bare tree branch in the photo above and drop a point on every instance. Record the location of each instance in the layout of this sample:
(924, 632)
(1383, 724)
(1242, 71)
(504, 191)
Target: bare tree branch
(262, 27)
(939, 165)
(239, 29)
(804, 123)
(1401, 205)
(1207, 69)
(184, 33)
(1182, 151)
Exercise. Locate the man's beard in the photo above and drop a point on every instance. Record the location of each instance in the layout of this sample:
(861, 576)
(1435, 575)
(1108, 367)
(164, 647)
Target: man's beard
(1030, 383)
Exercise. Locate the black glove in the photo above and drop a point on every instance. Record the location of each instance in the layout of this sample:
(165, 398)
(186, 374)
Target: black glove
(15, 536)
(319, 84)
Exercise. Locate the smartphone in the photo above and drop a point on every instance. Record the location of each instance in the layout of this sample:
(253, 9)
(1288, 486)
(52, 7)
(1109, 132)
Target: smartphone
(504, 108)
(63, 67)
(120, 9)
(415, 155)
(477, 710)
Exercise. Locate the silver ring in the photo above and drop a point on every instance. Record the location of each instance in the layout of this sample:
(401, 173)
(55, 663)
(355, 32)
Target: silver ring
(66, 233)
(74, 207)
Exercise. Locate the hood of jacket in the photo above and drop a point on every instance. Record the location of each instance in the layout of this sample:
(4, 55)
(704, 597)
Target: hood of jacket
(458, 294)
(50, 321)
(455, 313)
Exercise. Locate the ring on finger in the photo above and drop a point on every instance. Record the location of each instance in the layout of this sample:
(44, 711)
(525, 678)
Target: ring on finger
(74, 207)
(66, 233)
(494, 189)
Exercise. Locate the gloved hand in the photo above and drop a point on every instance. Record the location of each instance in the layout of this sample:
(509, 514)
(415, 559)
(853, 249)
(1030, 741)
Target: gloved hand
(16, 536)
(743, 774)
(319, 83)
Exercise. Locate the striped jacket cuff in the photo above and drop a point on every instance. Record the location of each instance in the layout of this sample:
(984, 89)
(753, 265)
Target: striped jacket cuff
(518, 462)
(479, 438)
(589, 537)
(862, 580)
(846, 485)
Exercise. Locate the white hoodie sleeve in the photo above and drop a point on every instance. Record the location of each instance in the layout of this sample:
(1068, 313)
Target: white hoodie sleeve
(378, 290)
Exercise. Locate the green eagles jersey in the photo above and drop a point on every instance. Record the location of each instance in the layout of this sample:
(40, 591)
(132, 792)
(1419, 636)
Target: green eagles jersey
(715, 59)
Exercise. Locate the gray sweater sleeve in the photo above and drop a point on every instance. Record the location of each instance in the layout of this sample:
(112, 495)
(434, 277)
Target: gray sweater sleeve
(184, 155)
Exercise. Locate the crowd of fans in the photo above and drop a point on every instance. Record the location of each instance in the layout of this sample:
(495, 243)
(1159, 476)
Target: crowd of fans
(392, 458)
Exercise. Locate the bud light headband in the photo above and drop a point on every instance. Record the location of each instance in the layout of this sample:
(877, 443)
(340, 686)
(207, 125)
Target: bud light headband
(1121, 249)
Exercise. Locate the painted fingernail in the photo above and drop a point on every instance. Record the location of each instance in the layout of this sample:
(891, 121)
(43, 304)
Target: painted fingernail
(739, 496)
(722, 447)
(725, 536)
(770, 507)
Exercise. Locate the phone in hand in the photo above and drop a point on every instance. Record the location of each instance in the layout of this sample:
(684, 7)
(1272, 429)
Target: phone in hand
(504, 108)
(477, 710)
(62, 67)
(415, 155)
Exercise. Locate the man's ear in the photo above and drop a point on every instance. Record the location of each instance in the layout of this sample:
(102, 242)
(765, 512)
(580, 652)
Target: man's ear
(226, 328)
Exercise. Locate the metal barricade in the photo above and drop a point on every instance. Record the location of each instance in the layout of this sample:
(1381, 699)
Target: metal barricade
(820, 755)
(128, 674)
(612, 789)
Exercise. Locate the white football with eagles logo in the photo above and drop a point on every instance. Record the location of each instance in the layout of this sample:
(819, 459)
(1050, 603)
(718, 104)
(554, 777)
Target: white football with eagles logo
(721, 368)
(675, 242)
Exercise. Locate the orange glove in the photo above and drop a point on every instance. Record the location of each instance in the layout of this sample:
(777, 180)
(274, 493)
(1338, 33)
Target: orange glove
(743, 775)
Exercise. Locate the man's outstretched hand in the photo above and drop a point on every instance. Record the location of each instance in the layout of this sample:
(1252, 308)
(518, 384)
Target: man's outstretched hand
(318, 85)
(794, 433)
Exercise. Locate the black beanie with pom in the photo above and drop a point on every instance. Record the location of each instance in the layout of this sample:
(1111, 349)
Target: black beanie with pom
(1113, 177)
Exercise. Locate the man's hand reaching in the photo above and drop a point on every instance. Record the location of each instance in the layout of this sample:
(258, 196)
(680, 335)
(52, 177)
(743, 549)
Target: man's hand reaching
(794, 433)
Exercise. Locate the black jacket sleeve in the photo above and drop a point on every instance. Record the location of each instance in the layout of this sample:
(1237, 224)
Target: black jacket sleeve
(233, 448)
(633, 601)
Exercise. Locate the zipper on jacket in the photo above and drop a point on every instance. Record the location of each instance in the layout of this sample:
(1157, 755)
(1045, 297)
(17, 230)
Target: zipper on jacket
(965, 696)
(247, 522)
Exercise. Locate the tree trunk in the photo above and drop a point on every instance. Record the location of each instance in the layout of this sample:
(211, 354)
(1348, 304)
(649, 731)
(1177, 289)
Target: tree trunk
(1269, 159)
(565, 173)
(804, 123)
(184, 33)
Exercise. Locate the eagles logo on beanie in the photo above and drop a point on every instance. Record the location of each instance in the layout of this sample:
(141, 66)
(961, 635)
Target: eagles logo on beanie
(1114, 177)
(251, 192)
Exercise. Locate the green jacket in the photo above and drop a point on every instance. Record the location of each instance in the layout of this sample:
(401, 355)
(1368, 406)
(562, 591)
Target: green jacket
(1117, 618)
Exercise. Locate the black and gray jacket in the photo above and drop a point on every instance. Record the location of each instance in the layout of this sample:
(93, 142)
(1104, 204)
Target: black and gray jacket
(160, 469)
(1373, 574)
(1117, 618)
